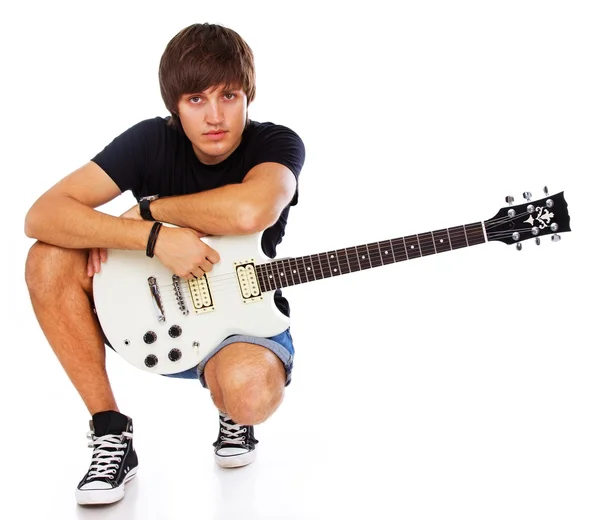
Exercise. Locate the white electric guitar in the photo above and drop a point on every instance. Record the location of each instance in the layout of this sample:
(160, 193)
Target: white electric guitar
(164, 324)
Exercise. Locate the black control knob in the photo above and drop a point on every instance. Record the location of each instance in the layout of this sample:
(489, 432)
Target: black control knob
(150, 337)
(151, 360)
(175, 331)
(175, 354)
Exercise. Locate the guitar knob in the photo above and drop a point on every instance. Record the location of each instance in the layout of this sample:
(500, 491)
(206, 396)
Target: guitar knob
(150, 337)
(175, 331)
(509, 199)
(527, 196)
(151, 361)
(175, 354)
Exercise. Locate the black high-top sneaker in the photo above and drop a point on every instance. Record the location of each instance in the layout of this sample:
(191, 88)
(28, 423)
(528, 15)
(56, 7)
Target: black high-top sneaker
(114, 460)
(235, 445)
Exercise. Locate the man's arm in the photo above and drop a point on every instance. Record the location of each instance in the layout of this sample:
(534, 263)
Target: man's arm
(235, 209)
(64, 215)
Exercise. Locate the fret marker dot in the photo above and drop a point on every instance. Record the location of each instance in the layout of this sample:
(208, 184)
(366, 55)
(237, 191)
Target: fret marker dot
(441, 239)
(412, 247)
(335, 270)
(308, 268)
(270, 276)
(331, 256)
(294, 271)
(386, 252)
(280, 274)
(363, 257)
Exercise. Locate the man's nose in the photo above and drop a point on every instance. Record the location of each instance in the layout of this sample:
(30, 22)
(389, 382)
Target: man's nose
(214, 116)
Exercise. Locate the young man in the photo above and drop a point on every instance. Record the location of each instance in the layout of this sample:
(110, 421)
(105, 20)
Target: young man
(215, 172)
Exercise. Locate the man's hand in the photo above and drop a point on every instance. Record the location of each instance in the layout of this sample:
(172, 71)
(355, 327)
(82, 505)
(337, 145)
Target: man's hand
(97, 256)
(182, 252)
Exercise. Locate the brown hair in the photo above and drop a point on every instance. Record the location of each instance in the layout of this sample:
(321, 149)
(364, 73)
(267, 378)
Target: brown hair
(203, 56)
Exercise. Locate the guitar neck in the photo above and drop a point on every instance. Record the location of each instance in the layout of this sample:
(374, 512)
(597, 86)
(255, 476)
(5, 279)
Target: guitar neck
(293, 271)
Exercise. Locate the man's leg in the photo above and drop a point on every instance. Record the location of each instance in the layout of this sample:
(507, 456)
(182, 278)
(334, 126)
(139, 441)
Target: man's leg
(247, 384)
(61, 295)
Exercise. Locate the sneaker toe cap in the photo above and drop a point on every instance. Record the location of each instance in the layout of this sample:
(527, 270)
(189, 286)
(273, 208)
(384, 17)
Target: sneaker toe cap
(231, 452)
(96, 484)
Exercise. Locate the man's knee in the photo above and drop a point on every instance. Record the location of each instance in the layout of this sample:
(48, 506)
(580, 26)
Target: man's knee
(48, 268)
(252, 392)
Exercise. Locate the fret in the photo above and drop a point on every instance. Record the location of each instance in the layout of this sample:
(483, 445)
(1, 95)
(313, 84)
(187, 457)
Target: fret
(294, 274)
(412, 247)
(300, 271)
(386, 250)
(310, 275)
(270, 277)
(280, 274)
(363, 257)
(334, 263)
(343, 261)
(355, 260)
(323, 260)
(323, 272)
(426, 244)
(475, 234)
(399, 249)
(458, 237)
(374, 254)
(348, 260)
(316, 273)
(441, 240)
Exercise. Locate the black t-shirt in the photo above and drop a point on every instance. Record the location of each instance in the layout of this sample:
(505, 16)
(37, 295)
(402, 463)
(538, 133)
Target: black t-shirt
(152, 158)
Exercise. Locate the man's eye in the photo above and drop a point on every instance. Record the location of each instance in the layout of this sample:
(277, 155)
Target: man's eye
(229, 96)
(194, 99)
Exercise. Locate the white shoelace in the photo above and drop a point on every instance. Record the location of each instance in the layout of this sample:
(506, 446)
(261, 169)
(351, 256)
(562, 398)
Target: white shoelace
(232, 432)
(105, 462)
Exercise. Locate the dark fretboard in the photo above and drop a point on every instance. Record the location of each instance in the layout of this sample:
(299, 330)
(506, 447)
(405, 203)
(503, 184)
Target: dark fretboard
(302, 269)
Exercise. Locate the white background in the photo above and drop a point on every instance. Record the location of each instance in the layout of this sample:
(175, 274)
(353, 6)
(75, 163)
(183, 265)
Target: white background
(463, 385)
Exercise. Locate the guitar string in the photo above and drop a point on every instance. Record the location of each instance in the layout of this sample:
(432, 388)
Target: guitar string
(286, 269)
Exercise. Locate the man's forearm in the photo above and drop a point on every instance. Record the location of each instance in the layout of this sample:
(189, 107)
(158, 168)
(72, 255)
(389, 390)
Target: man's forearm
(66, 222)
(227, 210)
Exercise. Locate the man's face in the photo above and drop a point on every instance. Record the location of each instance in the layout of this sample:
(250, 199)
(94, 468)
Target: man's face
(214, 121)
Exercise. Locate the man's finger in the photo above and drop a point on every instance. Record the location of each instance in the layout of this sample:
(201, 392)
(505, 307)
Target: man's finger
(103, 254)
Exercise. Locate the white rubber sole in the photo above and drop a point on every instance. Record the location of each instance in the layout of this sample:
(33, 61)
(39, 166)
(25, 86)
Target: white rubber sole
(236, 461)
(87, 497)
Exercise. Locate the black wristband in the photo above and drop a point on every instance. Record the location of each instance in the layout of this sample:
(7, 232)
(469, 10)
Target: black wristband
(145, 209)
(152, 239)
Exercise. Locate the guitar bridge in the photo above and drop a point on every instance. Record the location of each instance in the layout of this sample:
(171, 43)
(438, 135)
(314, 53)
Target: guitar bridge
(248, 281)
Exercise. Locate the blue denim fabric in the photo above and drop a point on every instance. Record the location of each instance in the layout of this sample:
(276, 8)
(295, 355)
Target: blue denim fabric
(281, 345)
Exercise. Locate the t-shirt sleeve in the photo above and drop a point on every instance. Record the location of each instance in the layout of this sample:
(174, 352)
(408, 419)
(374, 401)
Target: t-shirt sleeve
(281, 145)
(125, 158)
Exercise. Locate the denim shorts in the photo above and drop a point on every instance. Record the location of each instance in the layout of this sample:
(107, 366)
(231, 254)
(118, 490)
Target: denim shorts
(281, 345)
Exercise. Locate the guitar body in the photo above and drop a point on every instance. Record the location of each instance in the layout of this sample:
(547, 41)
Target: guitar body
(163, 338)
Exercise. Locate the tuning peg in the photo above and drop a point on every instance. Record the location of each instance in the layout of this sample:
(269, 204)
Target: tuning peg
(537, 241)
(546, 190)
(555, 238)
(527, 195)
(510, 199)
(519, 246)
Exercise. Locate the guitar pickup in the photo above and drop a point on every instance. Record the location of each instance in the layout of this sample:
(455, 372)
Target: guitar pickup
(248, 281)
(202, 300)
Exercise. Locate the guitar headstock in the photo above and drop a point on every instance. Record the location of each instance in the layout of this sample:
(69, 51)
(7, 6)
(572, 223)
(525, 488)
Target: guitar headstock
(534, 219)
